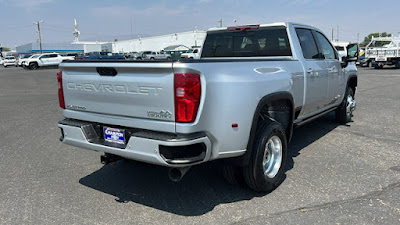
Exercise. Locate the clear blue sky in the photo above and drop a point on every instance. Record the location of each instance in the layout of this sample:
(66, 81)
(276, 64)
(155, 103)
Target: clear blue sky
(105, 20)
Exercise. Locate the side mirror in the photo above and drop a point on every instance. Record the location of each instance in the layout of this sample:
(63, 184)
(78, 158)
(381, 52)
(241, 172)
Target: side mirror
(352, 55)
(352, 52)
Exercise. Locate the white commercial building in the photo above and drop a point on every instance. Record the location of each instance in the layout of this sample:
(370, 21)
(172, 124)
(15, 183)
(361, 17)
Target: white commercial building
(157, 43)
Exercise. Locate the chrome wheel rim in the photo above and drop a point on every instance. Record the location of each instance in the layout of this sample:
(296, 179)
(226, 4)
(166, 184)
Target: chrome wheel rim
(272, 160)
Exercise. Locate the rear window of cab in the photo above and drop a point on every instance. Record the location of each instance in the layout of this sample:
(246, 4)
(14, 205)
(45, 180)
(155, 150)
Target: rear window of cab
(261, 42)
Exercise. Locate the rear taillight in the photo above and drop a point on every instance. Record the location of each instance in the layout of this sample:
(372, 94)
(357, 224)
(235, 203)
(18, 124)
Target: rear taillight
(187, 97)
(60, 90)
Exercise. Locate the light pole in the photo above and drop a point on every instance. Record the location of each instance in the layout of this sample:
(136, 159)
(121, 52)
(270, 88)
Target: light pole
(220, 22)
(39, 36)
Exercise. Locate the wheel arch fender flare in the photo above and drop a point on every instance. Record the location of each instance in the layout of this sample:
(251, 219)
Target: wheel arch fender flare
(352, 80)
(285, 96)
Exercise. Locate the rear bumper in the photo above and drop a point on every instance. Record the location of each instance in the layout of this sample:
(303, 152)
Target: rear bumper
(163, 149)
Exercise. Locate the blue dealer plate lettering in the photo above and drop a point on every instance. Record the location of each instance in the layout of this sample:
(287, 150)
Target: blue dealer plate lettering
(113, 135)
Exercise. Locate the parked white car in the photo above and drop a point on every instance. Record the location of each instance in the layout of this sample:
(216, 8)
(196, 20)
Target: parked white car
(9, 61)
(1, 60)
(193, 53)
(47, 59)
(21, 60)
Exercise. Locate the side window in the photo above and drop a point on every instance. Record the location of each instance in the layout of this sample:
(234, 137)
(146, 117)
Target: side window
(324, 46)
(195, 51)
(53, 56)
(44, 57)
(307, 43)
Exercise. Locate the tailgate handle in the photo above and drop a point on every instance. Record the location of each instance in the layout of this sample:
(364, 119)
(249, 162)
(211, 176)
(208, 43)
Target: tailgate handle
(107, 71)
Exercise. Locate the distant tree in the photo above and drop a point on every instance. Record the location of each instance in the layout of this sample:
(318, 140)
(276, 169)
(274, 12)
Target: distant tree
(368, 39)
(5, 49)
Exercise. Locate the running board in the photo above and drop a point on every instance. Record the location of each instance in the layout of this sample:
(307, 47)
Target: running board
(307, 120)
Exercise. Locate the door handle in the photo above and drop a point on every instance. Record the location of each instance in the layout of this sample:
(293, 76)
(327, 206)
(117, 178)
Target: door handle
(310, 71)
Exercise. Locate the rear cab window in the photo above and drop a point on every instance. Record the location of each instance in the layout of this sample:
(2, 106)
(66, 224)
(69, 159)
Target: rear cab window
(262, 42)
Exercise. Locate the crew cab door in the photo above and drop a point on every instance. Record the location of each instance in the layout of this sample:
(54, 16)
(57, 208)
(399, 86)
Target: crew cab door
(316, 72)
(335, 72)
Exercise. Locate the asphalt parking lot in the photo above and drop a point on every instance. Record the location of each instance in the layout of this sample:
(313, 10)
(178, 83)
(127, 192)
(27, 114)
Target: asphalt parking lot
(335, 174)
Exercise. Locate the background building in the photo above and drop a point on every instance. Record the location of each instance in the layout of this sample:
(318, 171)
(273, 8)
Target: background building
(157, 43)
(183, 40)
(64, 48)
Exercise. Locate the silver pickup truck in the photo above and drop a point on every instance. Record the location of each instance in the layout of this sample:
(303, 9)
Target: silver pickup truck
(157, 56)
(238, 103)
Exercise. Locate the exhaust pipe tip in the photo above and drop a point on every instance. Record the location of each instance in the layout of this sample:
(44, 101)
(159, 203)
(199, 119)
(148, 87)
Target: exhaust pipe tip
(176, 174)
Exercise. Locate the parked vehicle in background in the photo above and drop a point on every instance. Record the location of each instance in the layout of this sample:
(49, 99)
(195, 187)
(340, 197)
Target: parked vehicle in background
(47, 59)
(341, 50)
(9, 61)
(141, 55)
(21, 61)
(380, 57)
(80, 56)
(238, 103)
(130, 55)
(387, 55)
(102, 56)
(73, 54)
(362, 60)
(21, 58)
(1, 60)
(157, 56)
(193, 53)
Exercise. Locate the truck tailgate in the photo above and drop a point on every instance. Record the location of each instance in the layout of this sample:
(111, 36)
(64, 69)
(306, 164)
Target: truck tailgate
(137, 90)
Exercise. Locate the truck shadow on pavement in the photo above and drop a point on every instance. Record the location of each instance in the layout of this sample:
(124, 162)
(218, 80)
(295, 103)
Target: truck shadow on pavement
(200, 190)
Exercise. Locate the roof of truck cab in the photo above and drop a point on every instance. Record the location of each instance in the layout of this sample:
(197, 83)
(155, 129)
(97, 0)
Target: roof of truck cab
(286, 24)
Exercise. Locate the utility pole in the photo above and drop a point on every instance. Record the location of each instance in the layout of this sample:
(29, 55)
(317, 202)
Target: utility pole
(39, 36)
(358, 38)
(337, 33)
(220, 22)
(332, 34)
(131, 29)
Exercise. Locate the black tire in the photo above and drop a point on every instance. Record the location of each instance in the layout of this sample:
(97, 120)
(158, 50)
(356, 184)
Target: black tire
(33, 66)
(341, 113)
(397, 64)
(168, 58)
(233, 174)
(256, 177)
(151, 58)
(5, 66)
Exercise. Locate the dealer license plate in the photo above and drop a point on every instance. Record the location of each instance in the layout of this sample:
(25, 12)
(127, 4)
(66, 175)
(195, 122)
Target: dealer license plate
(114, 137)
